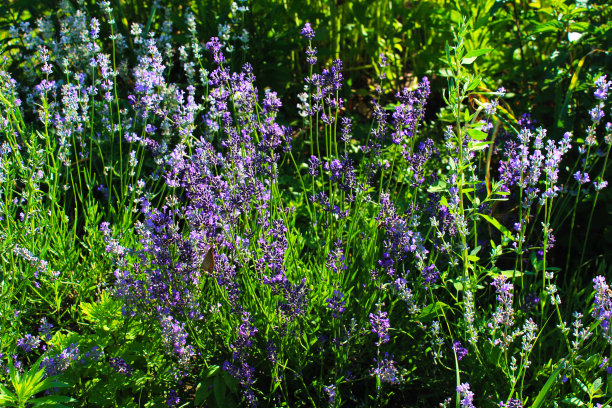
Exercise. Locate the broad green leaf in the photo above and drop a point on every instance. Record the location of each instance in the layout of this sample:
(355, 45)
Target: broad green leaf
(476, 134)
(472, 55)
(574, 402)
(505, 231)
(219, 389)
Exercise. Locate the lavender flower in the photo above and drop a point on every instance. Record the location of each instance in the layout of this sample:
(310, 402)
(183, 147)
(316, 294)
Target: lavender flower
(597, 113)
(28, 343)
(459, 350)
(172, 400)
(603, 87)
(512, 403)
(119, 365)
(581, 178)
(599, 185)
(307, 31)
(239, 368)
(504, 314)
(45, 329)
(385, 369)
(59, 362)
(380, 326)
(430, 276)
(467, 396)
(336, 303)
(602, 309)
(330, 390)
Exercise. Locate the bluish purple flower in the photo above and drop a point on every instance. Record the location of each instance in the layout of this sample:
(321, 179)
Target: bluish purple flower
(307, 31)
(599, 185)
(602, 87)
(28, 342)
(385, 369)
(602, 308)
(45, 328)
(172, 400)
(59, 362)
(581, 178)
(330, 390)
(313, 166)
(239, 368)
(336, 303)
(512, 403)
(503, 317)
(430, 276)
(467, 396)
(119, 365)
(214, 46)
(459, 350)
(380, 326)
(597, 113)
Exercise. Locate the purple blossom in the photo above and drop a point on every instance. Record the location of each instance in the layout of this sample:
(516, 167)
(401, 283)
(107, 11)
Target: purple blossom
(119, 365)
(602, 308)
(430, 276)
(330, 390)
(345, 132)
(504, 314)
(214, 46)
(597, 113)
(385, 369)
(581, 178)
(28, 342)
(172, 400)
(336, 303)
(307, 31)
(335, 259)
(512, 403)
(467, 396)
(380, 326)
(603, 87)
(599, 185)
(313, 166)
(239, 368)
(59, 362)
(174, 338)
(459, 350)
(45, 329)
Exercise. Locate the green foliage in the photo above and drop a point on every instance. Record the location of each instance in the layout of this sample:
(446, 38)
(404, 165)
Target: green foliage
(27, 385)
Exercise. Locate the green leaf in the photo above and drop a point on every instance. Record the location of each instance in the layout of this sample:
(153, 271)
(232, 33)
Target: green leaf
(219, 389)
(511, 273)
(472, 55)
(505, 231)
(596, 385)
(574, 402)
(431, 311)
(476, 134)
(438, 186)
(582, 386)
(52, 399)
(549, 383)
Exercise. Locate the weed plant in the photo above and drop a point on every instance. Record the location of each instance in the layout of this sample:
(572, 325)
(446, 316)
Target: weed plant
(169, 240)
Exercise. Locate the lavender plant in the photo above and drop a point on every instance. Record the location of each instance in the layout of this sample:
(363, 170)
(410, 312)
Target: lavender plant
(202, 252)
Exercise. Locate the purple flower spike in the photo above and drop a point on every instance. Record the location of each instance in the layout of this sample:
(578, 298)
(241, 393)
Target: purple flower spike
(603, 87)
(467, 396)
(459, 350)
(307, 31)
(380, 326)
(214, 46)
